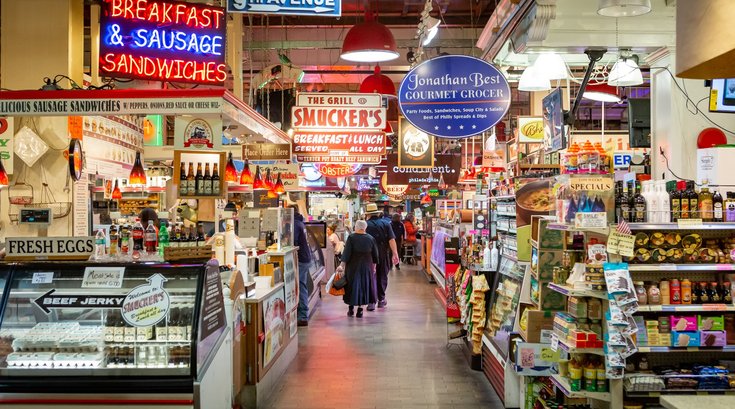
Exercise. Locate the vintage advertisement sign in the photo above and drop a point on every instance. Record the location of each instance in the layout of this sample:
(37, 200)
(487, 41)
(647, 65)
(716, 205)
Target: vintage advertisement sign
(394, 191)
(338, 99)
(446, 166)
(454, 96)
(530, 129)
(289, 174)
(199, 133)
(49, 248)
(146, 304)
(266, 151)
(320, 8)
(338, 143)
(6, 143)
(163, 41)
(335, 170)
(415, 147)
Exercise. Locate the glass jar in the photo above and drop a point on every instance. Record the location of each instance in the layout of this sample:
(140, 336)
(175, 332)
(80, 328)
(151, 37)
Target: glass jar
(640, 292)
(654, 295)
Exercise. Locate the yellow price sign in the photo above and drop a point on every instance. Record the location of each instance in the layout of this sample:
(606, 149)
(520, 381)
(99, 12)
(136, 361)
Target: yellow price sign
(548, 355)
(619, 243)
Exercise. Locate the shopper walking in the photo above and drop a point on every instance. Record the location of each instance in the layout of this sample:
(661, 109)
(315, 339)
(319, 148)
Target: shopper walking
(385, 239)
(304, 265)
(411, 231)
(359, 258)
(400, 232)
(336, 244)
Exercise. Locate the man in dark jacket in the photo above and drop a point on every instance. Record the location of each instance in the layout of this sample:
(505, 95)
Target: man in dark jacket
(299, 239)
(400, 232)
(380, 229)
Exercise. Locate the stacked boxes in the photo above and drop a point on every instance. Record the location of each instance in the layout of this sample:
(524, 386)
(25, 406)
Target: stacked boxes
(573, 334)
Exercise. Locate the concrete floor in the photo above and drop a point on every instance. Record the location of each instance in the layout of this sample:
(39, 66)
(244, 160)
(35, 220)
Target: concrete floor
(391, 358)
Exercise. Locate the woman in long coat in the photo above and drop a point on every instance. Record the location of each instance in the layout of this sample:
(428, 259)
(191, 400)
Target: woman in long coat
(359, 257)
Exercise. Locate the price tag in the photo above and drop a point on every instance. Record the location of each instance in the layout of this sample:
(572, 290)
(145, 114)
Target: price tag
(550, 356)
(713, 99)
(619, 243)
(42, 278)
(593, 220)
(554, 343)
(689, 223)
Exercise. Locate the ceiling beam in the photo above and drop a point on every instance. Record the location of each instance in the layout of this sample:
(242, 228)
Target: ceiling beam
(337, 44)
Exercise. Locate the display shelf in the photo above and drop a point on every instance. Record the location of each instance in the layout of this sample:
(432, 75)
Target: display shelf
(509, 231)
(681, 267)
(572, 350)
(509, 257)
(686, 308)
(675, 226)
(505, 214)
(728, 348)
(479, 268)
(563, 385)
(504, 197)
(701, 392)
(577, 293)
(569, 227)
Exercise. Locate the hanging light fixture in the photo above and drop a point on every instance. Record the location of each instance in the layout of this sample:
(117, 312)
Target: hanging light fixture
(268, 181)
(258, 181)
(137, 173)
(601, 92)
(369, 41)
(625, 73)
(230, 170)
(4, 182)
(533, 80)
(279, 188)
(116, 194)
(552, 66)
(378, 83)
(430, 29)
(623, 8)
(246, 178)
(441, 185)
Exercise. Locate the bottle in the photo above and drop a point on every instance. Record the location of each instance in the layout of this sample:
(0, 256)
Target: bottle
(207, 181)
(665, 292)
(675, 203)
(199, 180)
(704, 296)
(693, 201)
(639, 205)
(663, 203)
(494, 255)
(200, 240)
(654, 294)
(163, 239)
(618, 200)
(726, 293)
(114, 241)
(183, 183)
(601, 377)
(100, 244)
(686, 291)
(717, 208)
(730, 207)
(125, 240)
(675, 288)
(590, 376)
(575, 375)
(640, 292)
(191, 184)
(649, 194)
(715, 293)
(150, 238)
(571, 211)
(625, 203)
(706, 205)
(631, 201)
(215, 181)
(138, 236)
(685, 213)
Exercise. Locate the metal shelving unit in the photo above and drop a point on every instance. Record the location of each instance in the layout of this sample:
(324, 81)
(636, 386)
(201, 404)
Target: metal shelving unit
(571, 292)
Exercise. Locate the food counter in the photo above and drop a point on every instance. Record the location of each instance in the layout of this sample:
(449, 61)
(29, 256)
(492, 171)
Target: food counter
(114, 335)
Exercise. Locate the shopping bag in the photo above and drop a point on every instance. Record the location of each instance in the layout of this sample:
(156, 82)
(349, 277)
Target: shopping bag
(331, 289)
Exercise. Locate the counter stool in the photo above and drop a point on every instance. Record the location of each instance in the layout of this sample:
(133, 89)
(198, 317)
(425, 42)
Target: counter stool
(409, 253)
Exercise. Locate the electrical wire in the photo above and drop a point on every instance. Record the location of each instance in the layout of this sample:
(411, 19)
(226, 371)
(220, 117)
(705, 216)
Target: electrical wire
(666, 159)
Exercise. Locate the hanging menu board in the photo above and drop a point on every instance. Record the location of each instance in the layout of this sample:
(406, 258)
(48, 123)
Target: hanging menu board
(213, 310)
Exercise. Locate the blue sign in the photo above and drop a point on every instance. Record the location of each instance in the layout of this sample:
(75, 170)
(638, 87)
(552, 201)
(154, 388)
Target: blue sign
(324, 8)
(454, 96)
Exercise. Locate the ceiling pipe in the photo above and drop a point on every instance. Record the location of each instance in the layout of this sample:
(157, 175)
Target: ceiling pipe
(595, 55)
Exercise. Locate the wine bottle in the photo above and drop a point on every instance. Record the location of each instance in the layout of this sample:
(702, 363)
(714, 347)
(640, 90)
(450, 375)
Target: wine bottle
(215, 181)
(207, 181)
(639, 205)
(717, 205)
(191, 184)
(183, 183)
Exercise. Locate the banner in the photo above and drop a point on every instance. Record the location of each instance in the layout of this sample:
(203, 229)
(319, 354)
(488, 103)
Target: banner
(447, 166)
(266, 151)
(415, 147)
(334, 170)
(495, 159)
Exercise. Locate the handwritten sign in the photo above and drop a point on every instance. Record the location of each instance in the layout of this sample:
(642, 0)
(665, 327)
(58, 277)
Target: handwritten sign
(103, 277)
(592, 220)
(42, 278)
(550, 356)
(619, 243)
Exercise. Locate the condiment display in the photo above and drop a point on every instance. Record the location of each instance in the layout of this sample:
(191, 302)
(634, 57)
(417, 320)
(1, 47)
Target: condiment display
(586, 158)
(675, 291)
(681, 248)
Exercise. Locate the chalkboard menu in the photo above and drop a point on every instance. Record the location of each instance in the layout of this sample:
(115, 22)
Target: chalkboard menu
(213, 308)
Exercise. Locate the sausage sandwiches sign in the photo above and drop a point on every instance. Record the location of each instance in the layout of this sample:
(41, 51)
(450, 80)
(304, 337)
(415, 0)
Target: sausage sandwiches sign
(454, 96)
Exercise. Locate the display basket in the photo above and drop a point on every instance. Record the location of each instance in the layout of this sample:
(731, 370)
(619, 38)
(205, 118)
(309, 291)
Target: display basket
(20, 194)
(187, 253)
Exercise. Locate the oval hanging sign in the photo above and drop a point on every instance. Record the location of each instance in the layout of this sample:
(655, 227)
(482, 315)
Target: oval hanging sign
(454, 96)
(337, 170)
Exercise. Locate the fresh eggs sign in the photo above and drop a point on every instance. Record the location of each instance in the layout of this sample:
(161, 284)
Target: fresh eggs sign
(454, 96)
(163, 41)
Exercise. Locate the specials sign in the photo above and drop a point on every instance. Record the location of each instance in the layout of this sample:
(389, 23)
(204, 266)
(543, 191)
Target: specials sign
(49, 248)
(446, 166)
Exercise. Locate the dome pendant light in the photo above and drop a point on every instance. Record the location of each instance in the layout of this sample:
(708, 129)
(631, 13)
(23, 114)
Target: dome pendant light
(625, 73)
(137, 174)
(623, 8)
(601, 93)
(533, 80)
(246, 178)
(378, 83)
(230, 170)
(369, 41)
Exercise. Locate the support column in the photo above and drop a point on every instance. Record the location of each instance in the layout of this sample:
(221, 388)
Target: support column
(234, 52)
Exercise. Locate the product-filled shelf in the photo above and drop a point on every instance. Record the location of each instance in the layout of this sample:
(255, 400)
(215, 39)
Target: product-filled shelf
(569, 227)
(686, 308)
(681, 267)
(577, 293)
(677, 226)
(728, 348)
(679, 392)
(505, 214)
(504, 197)
(653, 385)
(572, 350)
(563, 385)
(509, 231)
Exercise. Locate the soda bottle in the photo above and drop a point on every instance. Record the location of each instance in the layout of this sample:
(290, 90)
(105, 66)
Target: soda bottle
(162, 238)
(125, 240)
(150, 238)
(100, 242)
(114, 239)
(138, 236)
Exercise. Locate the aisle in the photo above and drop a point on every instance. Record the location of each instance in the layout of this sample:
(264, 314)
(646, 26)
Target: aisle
(390, 359)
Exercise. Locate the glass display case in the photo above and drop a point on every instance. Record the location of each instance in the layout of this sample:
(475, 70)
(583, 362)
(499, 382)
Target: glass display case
(94, 328)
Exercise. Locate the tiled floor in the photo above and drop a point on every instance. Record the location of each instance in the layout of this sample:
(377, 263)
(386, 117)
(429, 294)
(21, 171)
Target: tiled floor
(393, 358)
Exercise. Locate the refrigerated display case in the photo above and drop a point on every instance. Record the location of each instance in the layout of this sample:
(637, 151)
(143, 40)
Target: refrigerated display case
(114, 334)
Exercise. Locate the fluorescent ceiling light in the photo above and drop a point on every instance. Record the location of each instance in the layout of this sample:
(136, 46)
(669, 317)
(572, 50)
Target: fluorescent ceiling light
(551, 65)
(532, 80)
(625, 73)
(623, 8)
(601, 92)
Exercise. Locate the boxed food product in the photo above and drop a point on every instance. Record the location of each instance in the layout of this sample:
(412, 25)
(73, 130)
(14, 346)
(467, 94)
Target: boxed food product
(683, 323)
(713, 338)
(577, 307)
(685, 339)
(716, 323)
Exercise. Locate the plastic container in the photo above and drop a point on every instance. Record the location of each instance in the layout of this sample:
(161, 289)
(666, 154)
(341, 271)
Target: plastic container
(675, 288)
(640, 292)
(665, 292)
(686, 291)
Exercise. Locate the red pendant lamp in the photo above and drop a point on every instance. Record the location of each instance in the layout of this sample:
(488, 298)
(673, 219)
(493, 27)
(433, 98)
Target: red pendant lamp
(602, 93)
(137, 174)
(246, 178)
(279, 188)
(230, 170)
(369, 41)
(116, 194)
(4, 182)
(378, 83)
(258, 181)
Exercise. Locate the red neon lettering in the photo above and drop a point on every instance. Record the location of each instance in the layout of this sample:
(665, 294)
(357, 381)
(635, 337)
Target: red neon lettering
(108, 62)
(206, 17)
(140, 10)
(116, 8)
(163, 69)
(128, 9)
(153, 71)
(166, 18)
(180, 11)
(192, 16)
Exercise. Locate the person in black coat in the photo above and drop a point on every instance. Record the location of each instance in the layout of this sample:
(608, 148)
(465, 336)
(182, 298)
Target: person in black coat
(359, 257)
(400, 231)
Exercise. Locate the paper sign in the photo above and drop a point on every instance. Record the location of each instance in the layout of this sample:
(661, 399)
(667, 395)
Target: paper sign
(547, 354)
(689, 223)
(592, 220)
(103, 277)
(619, 243)
(554, 343)
(42, 278)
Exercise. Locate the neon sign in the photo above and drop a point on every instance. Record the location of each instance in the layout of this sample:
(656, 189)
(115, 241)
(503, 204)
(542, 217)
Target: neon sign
(163, 41)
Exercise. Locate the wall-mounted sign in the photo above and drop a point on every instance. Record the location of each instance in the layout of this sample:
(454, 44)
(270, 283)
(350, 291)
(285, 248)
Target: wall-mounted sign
(338, 144)
(415, 147)
(51, 300)
(266, 151)
(367, 184)
(261, 200)
(334, 170)
(49, 248)
(495, 159)
(6, 143)
(325, 118)
(163, 41)
(289, 174)
(201, 133)
(76, 159)
(446, 166)
(553, 117)
(454, 96)
(320, 8)
(530, 129)
(394, 191)
(213, 306)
